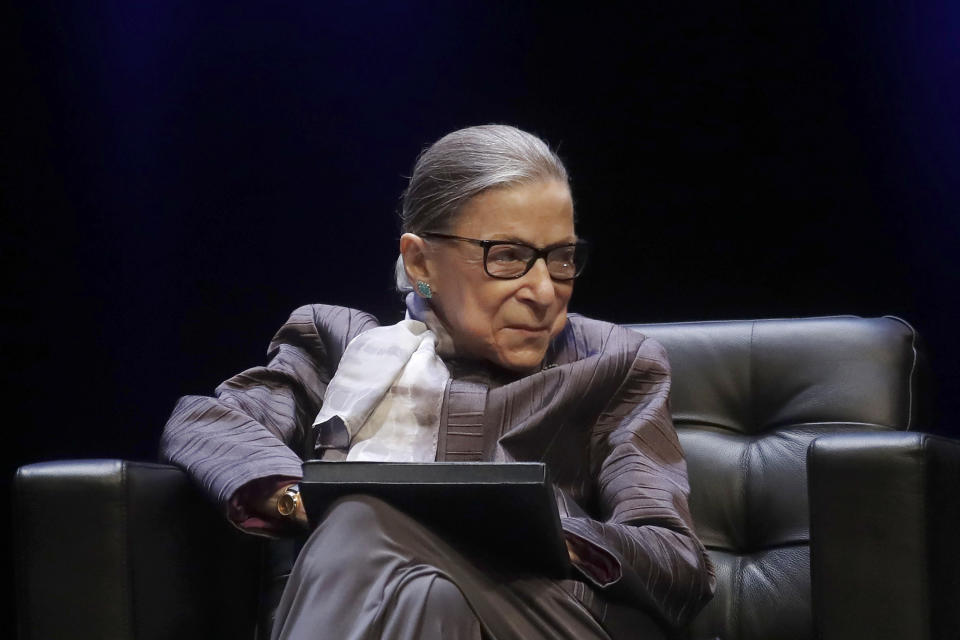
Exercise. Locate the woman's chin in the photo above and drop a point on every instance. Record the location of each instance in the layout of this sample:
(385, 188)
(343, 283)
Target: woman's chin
(521, 360)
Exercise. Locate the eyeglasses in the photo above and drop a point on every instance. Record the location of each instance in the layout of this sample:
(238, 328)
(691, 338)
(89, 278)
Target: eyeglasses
(510, 260)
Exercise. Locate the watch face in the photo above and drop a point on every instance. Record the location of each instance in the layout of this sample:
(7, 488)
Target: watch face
(287, 503)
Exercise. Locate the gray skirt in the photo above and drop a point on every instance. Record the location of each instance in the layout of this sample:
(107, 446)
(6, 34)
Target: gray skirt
(369, 571)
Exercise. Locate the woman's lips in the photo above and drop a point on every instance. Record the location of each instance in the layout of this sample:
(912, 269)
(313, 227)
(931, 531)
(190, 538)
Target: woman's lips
(528, 329)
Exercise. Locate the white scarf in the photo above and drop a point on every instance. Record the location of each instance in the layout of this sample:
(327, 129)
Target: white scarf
(388, 391)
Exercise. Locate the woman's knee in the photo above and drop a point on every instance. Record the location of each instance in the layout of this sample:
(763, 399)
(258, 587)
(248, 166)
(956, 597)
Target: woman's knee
(442, 595)
(429, 605)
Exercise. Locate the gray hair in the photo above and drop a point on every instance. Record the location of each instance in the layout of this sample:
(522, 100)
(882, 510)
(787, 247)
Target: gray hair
(463, 164)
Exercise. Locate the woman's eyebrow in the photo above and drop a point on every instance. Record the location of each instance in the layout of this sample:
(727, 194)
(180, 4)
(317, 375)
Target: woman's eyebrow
(516, 240)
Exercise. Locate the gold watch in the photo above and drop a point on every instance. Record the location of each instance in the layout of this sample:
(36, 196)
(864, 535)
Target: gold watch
(288, 501)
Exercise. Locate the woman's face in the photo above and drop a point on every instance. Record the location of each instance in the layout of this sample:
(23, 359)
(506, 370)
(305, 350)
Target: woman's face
(508, 322)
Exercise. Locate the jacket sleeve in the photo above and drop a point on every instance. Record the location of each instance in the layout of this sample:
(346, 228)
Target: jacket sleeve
(255, 425)
(644, 547)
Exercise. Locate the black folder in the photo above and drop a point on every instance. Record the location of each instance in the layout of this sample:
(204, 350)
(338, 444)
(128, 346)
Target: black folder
(506, 510)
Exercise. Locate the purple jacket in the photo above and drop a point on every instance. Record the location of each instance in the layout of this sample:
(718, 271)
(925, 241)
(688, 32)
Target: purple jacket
(597, 414)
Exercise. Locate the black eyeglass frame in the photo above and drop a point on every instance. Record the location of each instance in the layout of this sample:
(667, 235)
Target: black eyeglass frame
(580, 248)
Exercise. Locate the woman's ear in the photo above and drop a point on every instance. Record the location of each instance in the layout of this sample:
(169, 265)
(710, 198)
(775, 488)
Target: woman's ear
(413, 248)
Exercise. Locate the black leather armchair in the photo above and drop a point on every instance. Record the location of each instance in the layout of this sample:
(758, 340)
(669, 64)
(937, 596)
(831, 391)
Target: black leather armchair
(827, 514)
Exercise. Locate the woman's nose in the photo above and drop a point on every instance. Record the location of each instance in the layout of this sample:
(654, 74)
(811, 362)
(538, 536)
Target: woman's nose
(539, 284)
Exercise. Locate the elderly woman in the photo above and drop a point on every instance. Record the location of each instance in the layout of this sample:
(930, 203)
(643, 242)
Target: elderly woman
(487, 366)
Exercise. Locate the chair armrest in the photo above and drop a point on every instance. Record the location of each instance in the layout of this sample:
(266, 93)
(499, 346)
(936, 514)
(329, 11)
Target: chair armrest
(884, 513)
(116, 549)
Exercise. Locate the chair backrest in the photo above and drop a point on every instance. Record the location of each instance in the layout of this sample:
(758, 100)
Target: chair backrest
(748, 397)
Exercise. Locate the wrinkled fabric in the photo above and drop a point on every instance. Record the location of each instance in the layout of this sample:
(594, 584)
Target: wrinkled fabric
(385, 398)
(369, 571)
(597, 414)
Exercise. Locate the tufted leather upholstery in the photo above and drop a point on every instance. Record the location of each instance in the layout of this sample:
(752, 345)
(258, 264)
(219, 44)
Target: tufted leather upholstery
(749, 398)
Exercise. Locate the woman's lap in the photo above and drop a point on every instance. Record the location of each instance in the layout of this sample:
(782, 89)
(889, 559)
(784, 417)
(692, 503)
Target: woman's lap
(370, 571)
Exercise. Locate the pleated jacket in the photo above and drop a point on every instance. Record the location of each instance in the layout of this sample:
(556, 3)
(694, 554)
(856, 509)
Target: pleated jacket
(597, 414)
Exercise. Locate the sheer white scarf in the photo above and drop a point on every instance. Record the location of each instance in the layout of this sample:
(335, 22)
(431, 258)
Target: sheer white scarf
(388, 391)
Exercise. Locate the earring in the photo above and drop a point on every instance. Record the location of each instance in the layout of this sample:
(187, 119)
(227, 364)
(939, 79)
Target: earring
(424, 289)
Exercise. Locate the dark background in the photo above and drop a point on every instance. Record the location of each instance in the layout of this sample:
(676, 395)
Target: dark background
(177, 178)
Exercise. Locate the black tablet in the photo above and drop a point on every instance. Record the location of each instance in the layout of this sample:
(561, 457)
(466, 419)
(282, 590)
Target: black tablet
(505, 509)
